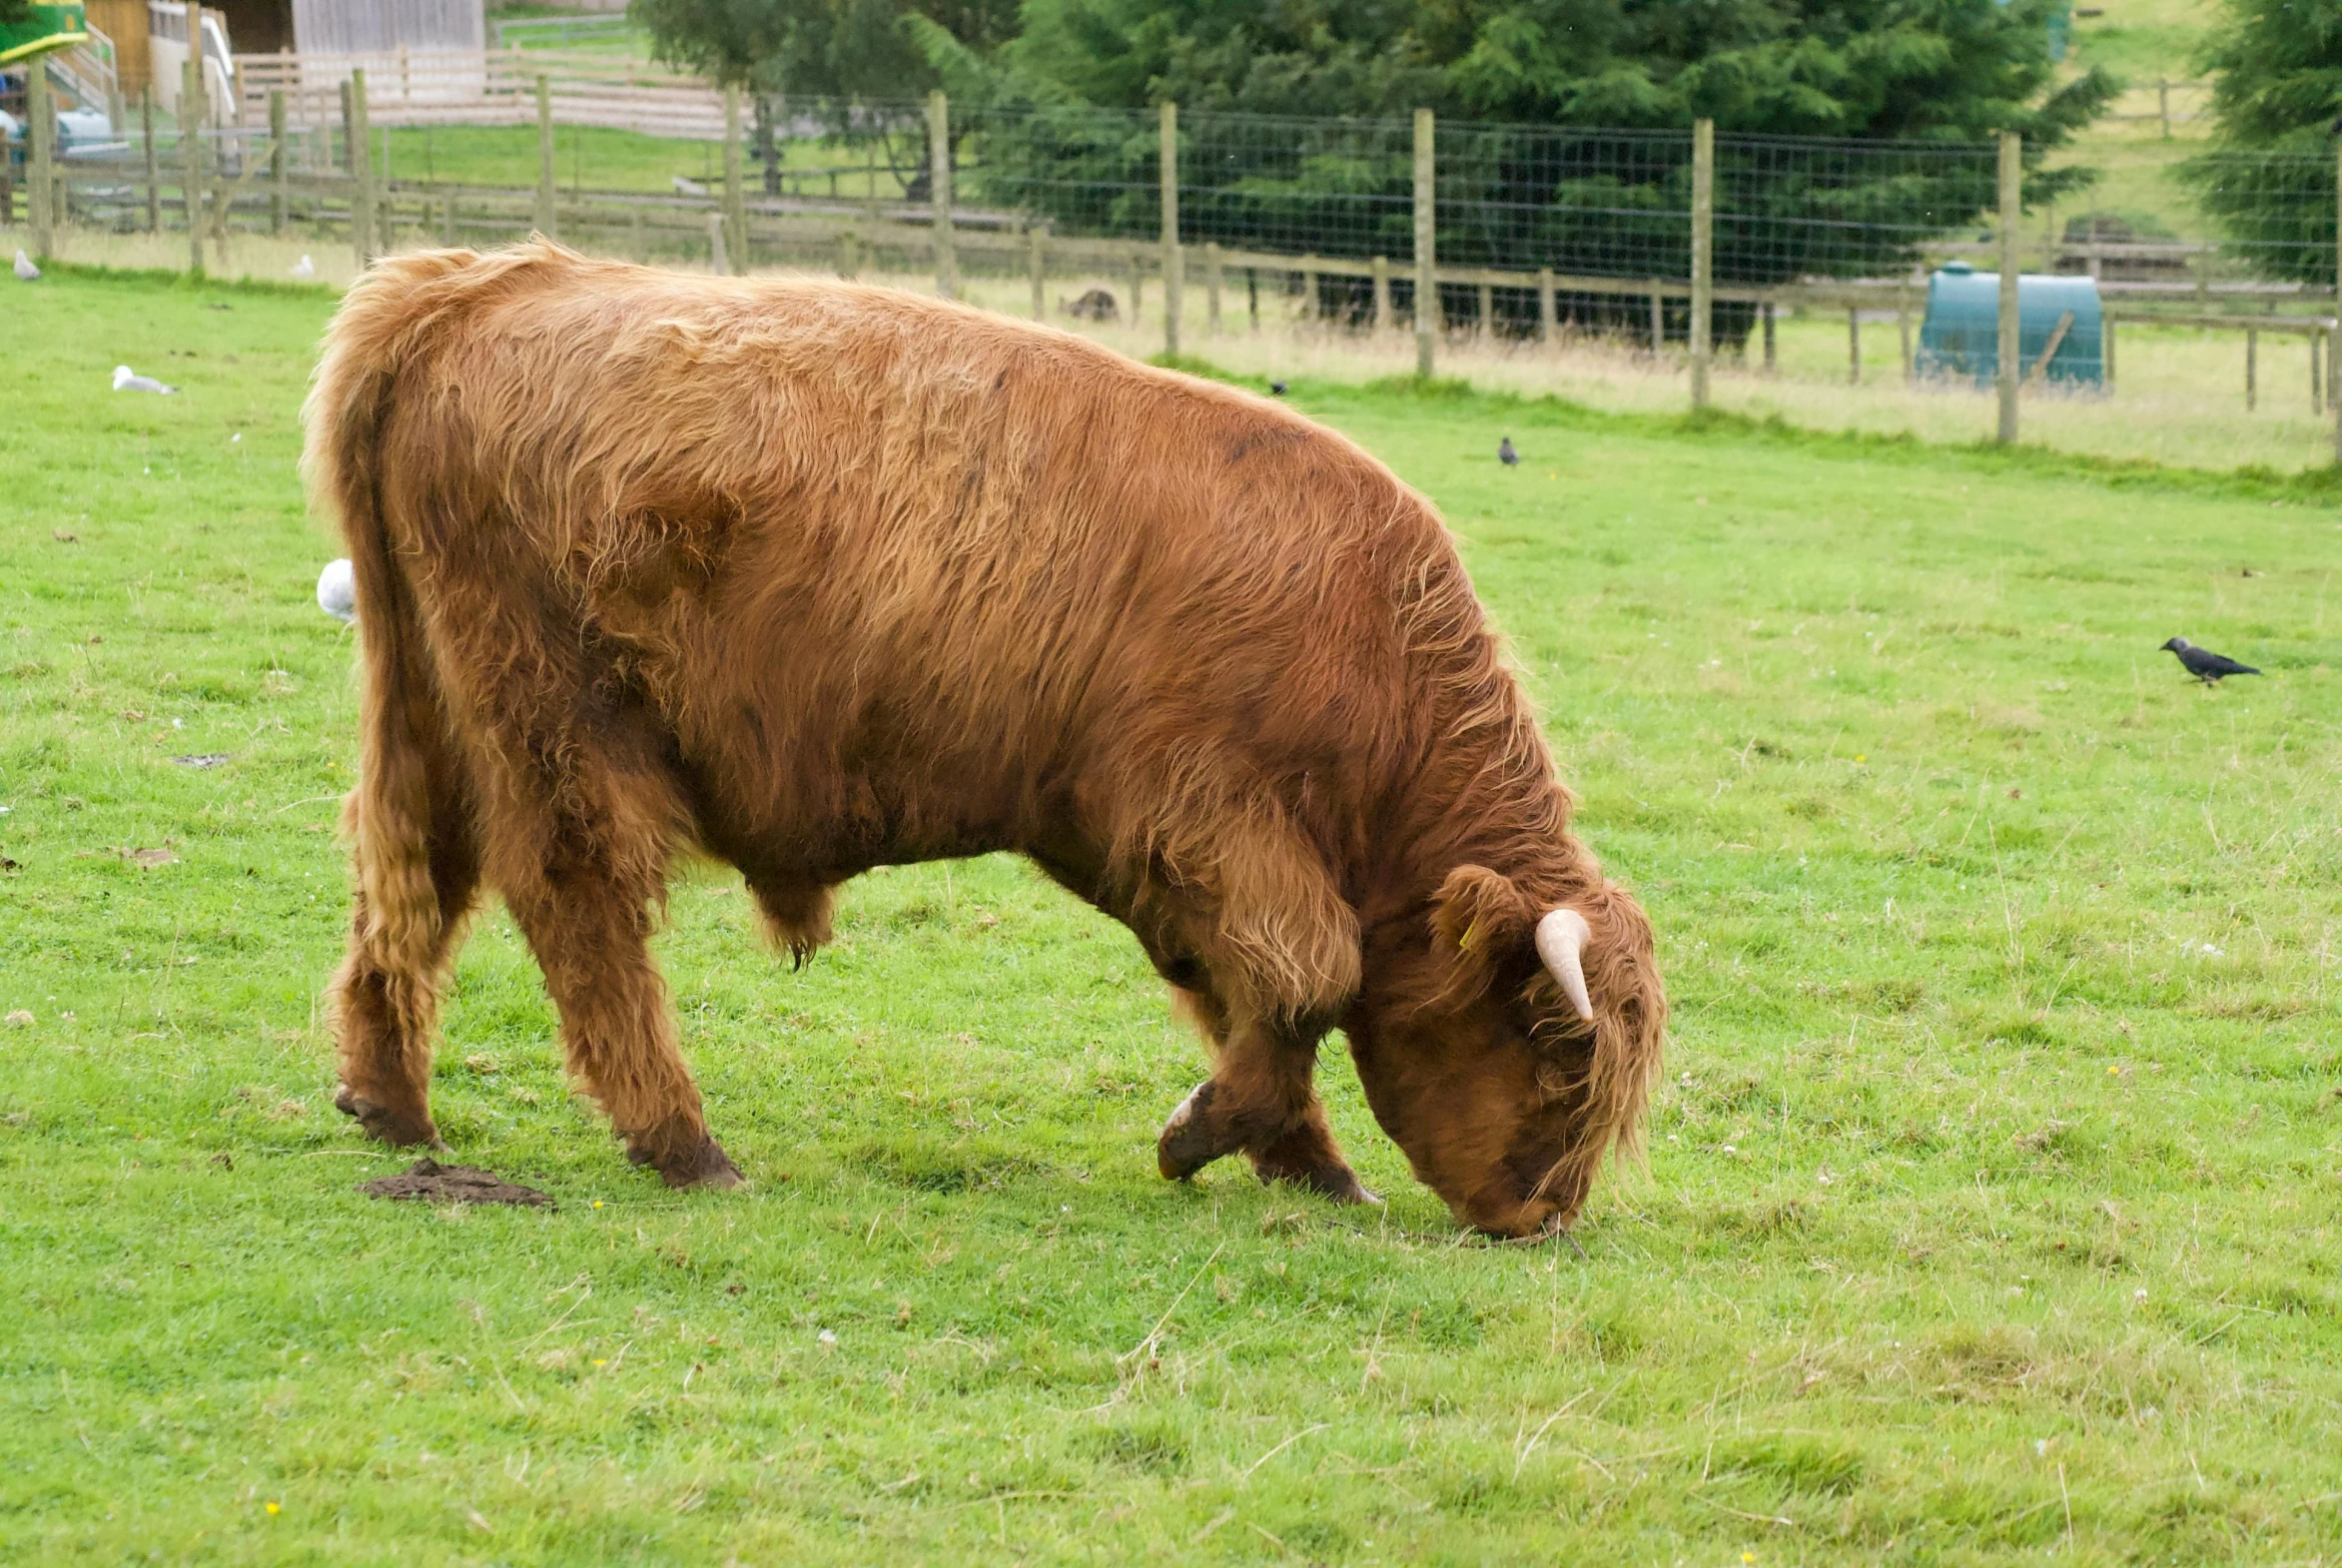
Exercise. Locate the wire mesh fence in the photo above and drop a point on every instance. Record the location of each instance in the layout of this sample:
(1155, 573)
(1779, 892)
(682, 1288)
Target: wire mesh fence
(2277, 210)
(1789, 208)
(1592, 206)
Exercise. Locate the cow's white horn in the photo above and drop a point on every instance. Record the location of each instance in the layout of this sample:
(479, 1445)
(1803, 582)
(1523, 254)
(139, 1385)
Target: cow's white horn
(1561, 938)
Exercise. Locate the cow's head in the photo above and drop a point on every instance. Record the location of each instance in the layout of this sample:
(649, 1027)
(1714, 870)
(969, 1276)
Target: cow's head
(1509, 1048)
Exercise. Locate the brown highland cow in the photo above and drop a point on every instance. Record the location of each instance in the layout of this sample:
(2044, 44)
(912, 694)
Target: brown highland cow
(812, 577)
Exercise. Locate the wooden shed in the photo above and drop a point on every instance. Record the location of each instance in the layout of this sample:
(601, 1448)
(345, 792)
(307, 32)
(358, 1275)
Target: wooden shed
(379, 26)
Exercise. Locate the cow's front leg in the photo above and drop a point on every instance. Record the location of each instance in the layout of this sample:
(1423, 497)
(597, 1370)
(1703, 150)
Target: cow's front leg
(1258, 1100)
(1305, 1155)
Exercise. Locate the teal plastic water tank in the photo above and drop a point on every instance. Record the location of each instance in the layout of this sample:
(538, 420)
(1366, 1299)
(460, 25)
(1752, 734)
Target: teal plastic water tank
(1960, 339)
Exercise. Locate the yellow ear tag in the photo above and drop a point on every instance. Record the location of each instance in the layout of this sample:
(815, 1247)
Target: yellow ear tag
(1464, 943)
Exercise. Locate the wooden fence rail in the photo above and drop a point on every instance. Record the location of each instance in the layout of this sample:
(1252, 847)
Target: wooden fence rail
(483, 87)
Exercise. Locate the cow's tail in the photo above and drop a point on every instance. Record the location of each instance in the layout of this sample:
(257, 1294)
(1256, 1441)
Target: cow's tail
(408, 814)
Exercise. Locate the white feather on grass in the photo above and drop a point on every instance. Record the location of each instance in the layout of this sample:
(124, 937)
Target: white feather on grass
(337, 591)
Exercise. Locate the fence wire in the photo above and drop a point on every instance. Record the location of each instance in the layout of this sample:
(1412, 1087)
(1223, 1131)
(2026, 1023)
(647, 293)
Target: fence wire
(1794, 207)
(2277, 210)
(1583, 203)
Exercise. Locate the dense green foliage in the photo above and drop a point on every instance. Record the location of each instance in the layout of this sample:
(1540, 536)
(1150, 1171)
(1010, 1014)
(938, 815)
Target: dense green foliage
(1525, 194)
(1881, 69)
(1036, 97)
(828, 49)
(2276, 98)
(824, 57)
(1992, 1207)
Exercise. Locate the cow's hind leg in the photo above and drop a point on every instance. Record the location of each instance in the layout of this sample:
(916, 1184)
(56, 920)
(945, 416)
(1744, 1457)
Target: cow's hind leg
(386, 1004)
(418, 872)
(589, 925)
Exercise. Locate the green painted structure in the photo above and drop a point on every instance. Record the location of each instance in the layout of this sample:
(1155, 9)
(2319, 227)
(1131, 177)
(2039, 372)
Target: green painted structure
(48, 27)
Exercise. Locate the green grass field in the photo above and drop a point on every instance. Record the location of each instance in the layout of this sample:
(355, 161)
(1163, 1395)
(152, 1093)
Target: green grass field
(1993, 1206)
(592, 158)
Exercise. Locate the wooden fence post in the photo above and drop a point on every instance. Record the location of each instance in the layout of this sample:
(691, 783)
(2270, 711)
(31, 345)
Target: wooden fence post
(2106, 352)
(2317, 379)
(1658, 322)
(1548, 319)
(190, 151)
(1138, 281)
(2334, 383)
(1174, 270)
(1212, 284)
(1703, 256)
(41, 133)
(1426, 243)
(1902, 331)
(2005, 367)
(146, 118)
(276, 187)
(2252, 365)
(1854, 346)
(548, 218)
(1771, 351)
(938, 147)
(222, 194)
(1381, 294)
(362, 173)
(1486, 315)
(2333, 402)
(1037, 264)
(735, 193)
(1309, 286)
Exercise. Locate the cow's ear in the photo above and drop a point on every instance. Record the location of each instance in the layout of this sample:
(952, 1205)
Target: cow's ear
(1478, 917)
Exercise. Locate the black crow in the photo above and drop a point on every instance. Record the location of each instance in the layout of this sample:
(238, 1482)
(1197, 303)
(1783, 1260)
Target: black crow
(1506, 455)
(1276, 389)
(2205, 665)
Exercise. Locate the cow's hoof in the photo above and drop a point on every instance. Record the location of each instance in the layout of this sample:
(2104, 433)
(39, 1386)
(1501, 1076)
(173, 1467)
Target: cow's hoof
(396, 1128)
(1337, 1182)
(687, 1161)
(1190, 1139)
(1347, 1189)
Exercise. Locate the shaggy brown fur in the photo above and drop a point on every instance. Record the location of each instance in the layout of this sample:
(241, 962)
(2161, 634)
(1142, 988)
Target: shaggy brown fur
(813, 577)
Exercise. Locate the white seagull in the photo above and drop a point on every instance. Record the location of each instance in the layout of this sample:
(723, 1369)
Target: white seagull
(304, 268)
(128, 380)
(337, 591)
(25, 267)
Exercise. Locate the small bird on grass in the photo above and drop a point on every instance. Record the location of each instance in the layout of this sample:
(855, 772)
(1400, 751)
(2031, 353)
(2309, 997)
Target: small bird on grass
(1276, 389)
(128, 380)
(25, 267)
(2205, 665)
(1505, 454)
(304, 268)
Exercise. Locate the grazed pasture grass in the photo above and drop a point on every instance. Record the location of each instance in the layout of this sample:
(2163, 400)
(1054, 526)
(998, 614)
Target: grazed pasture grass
(1991, 1208)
